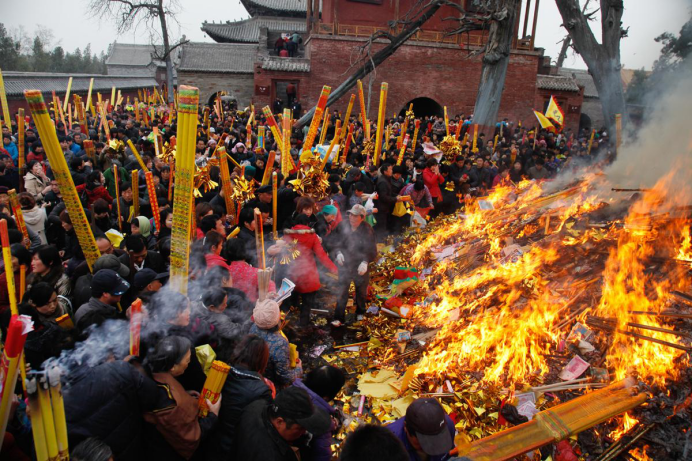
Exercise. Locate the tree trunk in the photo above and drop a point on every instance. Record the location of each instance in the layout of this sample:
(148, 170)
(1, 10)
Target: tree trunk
(495, 62)
(166, 52)
(376, 60)
(602, 59)
(563, 51)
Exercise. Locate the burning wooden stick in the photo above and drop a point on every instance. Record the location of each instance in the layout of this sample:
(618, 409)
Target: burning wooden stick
(609, 328)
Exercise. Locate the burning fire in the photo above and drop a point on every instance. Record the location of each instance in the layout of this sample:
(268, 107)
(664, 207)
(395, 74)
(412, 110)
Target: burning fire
(626, 424)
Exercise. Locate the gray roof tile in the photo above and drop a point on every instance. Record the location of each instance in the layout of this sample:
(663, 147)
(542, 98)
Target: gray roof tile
(232, 58)
(295, 6)
(274, 63)
(17, 82)
(583, 78)
(556, 83)
(123, 54)
(248, 30)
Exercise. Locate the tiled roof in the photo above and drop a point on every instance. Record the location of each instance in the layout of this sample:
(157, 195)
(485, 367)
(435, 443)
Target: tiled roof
(556, 83)
(583, 78)
(293, 6)
(274, 63)
(248, 30)
(123, 54)
(232, 58)
(17, 82)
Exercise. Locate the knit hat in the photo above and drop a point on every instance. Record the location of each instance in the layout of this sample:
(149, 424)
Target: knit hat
(329, 210)
(266, 314)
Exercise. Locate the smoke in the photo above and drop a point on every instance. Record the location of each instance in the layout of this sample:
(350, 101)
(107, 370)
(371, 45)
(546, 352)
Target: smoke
(664, 142)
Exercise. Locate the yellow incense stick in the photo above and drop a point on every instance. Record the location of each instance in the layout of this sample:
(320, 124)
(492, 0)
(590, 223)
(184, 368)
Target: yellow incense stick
(58, 412)
(274, 205)
(363, 111)
(67, 95)
(325, 123)
(5, 107)
(135, 191)
(188, 103)
(380, 121)
(135, 152)
(62, 175)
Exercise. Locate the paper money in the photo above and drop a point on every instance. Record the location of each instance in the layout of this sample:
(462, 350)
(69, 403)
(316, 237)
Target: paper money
(574, 368)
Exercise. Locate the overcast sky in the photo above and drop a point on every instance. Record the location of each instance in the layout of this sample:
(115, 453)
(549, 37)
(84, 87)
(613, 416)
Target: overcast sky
(72, 27)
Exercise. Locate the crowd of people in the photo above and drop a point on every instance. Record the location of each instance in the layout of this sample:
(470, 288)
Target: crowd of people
(271, 407)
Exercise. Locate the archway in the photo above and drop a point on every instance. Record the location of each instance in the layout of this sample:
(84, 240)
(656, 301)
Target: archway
(584, 122)
(423, 107)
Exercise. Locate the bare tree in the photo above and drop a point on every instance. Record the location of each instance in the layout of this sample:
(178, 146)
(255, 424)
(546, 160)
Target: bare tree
(567, 41)
(132, 13)
(496, 15)
(602, 59)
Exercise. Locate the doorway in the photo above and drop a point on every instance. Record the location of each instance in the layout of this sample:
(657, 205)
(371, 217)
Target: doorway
(423, 107)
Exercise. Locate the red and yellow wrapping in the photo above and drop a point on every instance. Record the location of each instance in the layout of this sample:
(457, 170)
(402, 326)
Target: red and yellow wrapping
(475, 138)
(286, 160)
(153, 200)
(89, 149)
(9, 365)
(104, 121)
(22, 281)
(325, 125)
(213, 385)
(226, 185)
(65, 322)
(90, 103)
(458, 130)
(7, 259)
(67, 96)
(416, 125)
(273, 126)
(268, 168)
(446, 121)
(347, 143)
(403, 150)
(62, 175)
(188, 103)
(274, 205)
(20, 138)
(380, 122)
(135, 192)
(260, 136)
(259, 239)
(135, 152)
(18, 216)
(588, 149)
(404, 128)
(248, 137)
(317, 118)
(135, 326)
(116, 179)
(363, 113)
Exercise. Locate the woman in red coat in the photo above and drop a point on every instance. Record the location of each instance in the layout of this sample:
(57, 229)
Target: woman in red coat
(432, 179)
(303, 270)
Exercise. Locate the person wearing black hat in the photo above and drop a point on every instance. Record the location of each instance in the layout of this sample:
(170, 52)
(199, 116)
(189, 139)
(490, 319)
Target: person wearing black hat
(264, 194)
(149, 280)
(277, 431)
(426, 431)
(107, 287)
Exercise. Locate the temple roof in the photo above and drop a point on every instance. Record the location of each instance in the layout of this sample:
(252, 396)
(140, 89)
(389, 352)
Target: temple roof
(227, 58)
(127, 54)
(294, 8)
(46, 82)
(584, 79)
(248, 30)
(556, 83)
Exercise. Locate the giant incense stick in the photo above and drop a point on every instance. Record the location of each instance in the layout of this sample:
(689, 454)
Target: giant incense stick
(7, 259)
(153, 200)
(335, 140)
(268, 168)
(18, 216)
(188, 102)
(273, 126)
(363, 112)
(325, 124)
(317, 118)
(618, 131)
(5, 107)
(274, 205)
(347, 143)
(213, 385)
(59, 418)
(135, 192)
(380, 122)
(259, 240)
(226, 186)
(11, 356)
(135, 152)
(116, 180)
(415, 135)
(62, 175)
(67, 96)
(475, 138)
(588, 149)
(90, 103)
(135, 326)
(446, 121)
(20, 138)
(286, 148)
(404, 144)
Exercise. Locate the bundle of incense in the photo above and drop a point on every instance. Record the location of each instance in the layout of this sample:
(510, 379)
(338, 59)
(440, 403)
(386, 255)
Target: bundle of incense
(404, 128)
(89, 102)
(7, 259)
(260, 136)
(263, 279)
(458, 129)
(475, 138)
(335, 140)
(135, 152)
(135, 191)
(446, 121)
(268, 168)
(363, 111)
(347, 117)
(116, 180)
(112, 100)
(416, 129)
(325, 124)
(18, 216)
(317, 118)
(259, 239)
(205, 117)
(404, 144)
(213, 385)
(5, 107)
(58, 407)
(380, 122)
(62, 175)
(89, 149)
(226, 186)
(347, 143)
(20, 138)
(588, 149)
(153, 200)
(273, 126)
(188, 102)
(9, 366)
(67, 94)
(274, 205)
(135, 326)
(65, 322)
(248, 138)
(286, 148)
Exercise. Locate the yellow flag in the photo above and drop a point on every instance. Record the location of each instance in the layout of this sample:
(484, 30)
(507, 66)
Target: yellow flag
(555, 113)
(543, 120)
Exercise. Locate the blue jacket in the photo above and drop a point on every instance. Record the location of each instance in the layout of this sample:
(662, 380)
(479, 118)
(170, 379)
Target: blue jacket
(320, 445)
(13, 150)
(397, 427)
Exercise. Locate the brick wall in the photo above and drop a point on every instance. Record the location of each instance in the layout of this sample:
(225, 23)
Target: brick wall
(239, 86)
(440, 72)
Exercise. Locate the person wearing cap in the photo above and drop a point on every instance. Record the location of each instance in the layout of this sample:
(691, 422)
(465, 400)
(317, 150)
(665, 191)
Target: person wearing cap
(148, 280)
(426, 431)
(82, 288)
(107, 287)
(264, 194)
(266, 317)
(355, 249)
(278, 431)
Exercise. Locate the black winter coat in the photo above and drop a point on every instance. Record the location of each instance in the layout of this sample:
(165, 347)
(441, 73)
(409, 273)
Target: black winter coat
(107, 401)
(242, 388)
(357, 246)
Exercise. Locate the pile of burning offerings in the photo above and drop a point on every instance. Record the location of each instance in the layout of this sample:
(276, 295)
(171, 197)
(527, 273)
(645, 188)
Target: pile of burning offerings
(534, 296)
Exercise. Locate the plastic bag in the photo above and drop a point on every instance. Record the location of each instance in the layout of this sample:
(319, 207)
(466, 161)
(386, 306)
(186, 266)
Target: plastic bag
(205, 356)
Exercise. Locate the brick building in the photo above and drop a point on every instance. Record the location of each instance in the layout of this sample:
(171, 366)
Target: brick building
(431, 70)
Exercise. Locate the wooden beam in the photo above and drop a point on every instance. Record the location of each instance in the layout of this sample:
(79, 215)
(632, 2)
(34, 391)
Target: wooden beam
(535, 23)
(526, 18)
